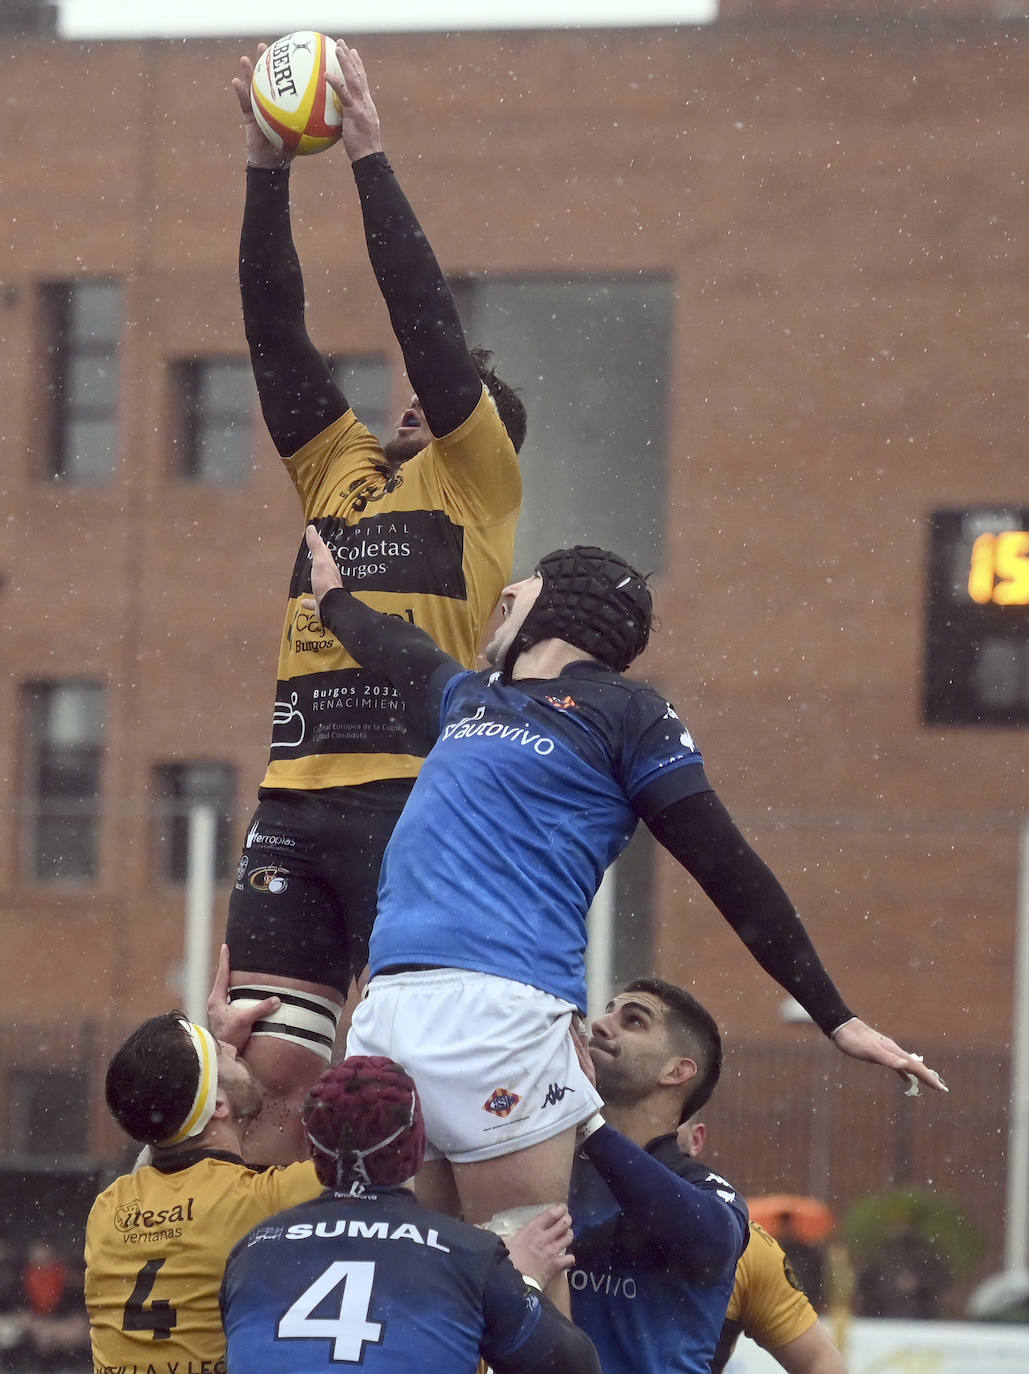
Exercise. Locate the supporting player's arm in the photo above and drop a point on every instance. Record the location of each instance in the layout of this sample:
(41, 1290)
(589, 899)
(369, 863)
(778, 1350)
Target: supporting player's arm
(419, 300)
(523, 1331)
(411, 660)
(695, 1219)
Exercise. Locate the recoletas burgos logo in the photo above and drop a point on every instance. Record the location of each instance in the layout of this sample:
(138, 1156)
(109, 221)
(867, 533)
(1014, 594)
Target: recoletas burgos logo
(501, 1102)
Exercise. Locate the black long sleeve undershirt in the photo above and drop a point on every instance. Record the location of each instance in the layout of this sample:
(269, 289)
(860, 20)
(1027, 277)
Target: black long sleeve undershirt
(299, 396)
(411, 659)
(697, 830)
(701, 834)
(420, 303)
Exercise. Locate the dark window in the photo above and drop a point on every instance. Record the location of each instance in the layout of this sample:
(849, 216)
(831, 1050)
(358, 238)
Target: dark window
(977, 639)
(48, 1111)
(365, 382)
(215, 400)
(590, 359)
(179, 787)
(65, 753)
(83, 328)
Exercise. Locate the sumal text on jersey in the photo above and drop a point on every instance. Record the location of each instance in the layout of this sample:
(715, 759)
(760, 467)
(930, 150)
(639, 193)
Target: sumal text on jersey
(354, 1227)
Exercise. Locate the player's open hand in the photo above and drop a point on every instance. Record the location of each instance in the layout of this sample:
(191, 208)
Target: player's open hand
(230, 1021)
(860, 1041)
(361, 134)
(579, 1030)
(260, 153)
(540, 1247)
(324, 573)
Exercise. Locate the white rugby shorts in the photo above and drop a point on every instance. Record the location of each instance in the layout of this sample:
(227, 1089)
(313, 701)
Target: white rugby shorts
(493, 1059)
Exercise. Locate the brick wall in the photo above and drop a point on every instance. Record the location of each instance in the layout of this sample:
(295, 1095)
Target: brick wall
(842, 209)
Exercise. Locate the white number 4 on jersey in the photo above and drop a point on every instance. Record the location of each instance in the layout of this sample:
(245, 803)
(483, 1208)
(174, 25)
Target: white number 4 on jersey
(350, 1330)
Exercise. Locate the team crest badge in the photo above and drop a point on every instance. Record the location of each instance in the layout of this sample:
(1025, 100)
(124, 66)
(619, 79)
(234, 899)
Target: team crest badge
(562, 703)
(501, 1102)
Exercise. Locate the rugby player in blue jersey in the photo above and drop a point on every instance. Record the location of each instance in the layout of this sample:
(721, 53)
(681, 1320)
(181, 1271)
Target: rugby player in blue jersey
(364, 1275)
(539, 772)
(657, 1234)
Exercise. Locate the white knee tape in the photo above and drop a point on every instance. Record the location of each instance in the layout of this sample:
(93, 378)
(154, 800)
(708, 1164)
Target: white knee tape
(303, 1019)
(505, 1224)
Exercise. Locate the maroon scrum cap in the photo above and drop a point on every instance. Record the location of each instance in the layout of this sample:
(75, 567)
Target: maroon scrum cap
(364, 1121)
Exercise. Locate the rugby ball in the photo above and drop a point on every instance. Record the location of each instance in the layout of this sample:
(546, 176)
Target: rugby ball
(297, 109)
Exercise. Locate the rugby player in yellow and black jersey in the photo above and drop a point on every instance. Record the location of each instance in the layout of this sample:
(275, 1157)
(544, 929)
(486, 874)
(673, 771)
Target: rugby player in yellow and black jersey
(424, 528)
(157, 1239)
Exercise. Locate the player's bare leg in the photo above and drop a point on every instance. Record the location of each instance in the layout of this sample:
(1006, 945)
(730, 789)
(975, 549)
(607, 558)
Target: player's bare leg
(538, 1175)
(284, 1067)
(435, 1187)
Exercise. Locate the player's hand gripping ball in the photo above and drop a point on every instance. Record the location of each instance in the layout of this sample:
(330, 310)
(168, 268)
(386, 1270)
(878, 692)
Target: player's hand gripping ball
(298, 111)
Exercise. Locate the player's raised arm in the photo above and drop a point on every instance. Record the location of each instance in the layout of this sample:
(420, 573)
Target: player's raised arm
(420, 303)
(413, 661)
(701, 834)
(299, 396)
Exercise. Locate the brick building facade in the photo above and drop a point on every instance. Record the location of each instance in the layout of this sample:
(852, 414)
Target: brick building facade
(829, 215)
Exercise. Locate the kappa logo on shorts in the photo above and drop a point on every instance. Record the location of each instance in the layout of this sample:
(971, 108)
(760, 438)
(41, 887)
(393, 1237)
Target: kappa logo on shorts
(271, 880)
(501, 1102)
(555, 1094)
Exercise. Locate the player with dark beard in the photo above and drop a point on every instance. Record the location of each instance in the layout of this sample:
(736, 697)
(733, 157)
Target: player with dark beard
(424, 524)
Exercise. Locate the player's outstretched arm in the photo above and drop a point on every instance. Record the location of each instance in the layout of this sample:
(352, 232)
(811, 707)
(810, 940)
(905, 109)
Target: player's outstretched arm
(702, 835)
(860, 1041)
(419, 300)
(298, 393)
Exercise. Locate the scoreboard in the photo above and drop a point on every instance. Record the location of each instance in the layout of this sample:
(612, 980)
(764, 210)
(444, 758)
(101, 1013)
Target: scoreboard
(977, 641)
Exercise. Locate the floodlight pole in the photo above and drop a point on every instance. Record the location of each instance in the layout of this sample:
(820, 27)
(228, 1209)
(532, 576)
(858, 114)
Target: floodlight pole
(1016, 1237)
(197, 972)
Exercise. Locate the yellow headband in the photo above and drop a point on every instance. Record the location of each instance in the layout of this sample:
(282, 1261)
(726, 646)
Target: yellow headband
(202, 1109)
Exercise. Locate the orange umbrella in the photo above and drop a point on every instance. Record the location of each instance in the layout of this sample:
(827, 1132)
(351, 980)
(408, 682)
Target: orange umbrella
(792, 1217)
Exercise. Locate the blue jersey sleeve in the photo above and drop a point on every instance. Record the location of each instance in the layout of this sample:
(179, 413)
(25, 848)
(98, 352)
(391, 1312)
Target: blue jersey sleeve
(691, 1216)
(512, 1310)
(525, 1334)
(660, 762)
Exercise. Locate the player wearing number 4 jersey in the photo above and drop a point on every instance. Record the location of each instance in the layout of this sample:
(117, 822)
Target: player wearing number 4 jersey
(365, 1277)
(156, 1239)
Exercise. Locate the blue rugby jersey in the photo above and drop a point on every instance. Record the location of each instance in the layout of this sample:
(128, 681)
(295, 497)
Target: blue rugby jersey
(376, 1282)
(657, 1238)
(531, 790)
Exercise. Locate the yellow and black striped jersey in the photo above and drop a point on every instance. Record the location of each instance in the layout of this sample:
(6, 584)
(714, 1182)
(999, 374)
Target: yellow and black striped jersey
(156, 1246)
(433, 544)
